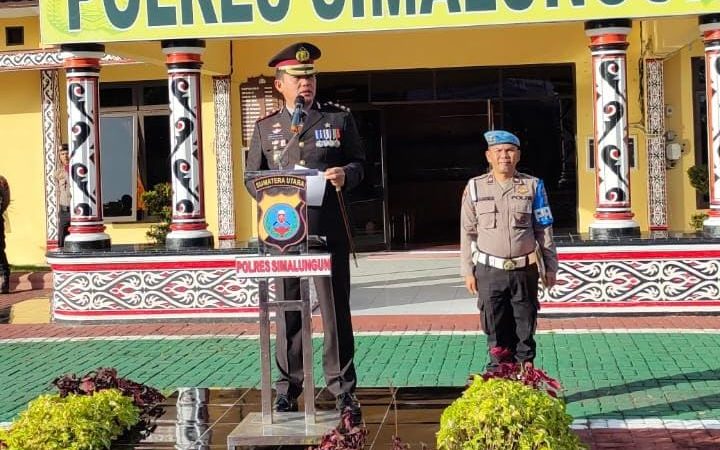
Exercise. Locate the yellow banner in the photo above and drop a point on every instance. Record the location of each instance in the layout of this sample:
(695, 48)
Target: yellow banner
(75, 21)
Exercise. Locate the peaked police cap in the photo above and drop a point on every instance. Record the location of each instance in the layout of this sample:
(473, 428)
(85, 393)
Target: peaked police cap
(297, 59)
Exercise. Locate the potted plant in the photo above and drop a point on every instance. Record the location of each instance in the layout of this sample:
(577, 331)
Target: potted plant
(698, 175)
(87, 413)
(158, 202)
(513, 407)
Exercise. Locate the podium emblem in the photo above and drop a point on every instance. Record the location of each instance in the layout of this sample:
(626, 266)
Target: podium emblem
(281, 221)
(282, 216)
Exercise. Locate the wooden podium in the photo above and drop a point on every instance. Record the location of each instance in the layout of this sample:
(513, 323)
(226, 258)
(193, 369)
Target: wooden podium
(283, 253)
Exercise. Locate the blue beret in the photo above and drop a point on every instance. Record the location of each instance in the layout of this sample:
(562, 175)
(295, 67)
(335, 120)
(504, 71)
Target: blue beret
(495, 137)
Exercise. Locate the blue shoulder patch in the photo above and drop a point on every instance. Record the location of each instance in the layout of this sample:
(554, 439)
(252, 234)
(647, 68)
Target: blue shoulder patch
(541, 206)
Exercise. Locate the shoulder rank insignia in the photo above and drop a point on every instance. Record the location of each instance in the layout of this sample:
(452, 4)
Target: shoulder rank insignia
(337, 105)
(271, 113)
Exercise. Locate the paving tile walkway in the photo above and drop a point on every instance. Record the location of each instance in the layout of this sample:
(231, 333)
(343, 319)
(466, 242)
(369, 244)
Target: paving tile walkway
(631, 382)
(607, 375)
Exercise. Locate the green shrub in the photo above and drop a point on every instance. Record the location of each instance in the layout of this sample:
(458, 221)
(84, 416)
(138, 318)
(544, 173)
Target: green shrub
(698, 175)
(158, 202)
(506, 415)
(697, 219)
(75, 422)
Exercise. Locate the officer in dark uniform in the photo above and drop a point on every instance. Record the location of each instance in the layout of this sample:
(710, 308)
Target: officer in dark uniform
(4, 264)
(327, 140)
(504, 216)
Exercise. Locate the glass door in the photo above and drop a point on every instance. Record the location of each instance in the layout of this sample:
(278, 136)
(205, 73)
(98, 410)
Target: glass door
(367, 202)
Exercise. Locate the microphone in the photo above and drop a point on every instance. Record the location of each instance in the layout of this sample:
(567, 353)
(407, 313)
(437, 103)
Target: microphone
(296, 122)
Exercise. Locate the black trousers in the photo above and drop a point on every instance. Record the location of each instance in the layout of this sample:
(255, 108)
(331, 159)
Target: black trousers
(508, 305)
(338, 342)
(63, 225)
(4, 264)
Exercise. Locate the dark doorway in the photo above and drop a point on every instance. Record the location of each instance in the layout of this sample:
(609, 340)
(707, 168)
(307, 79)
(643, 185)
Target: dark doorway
(546, 127)
(424, 129)
(432, 150)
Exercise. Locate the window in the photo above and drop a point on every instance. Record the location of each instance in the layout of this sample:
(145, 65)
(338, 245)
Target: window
(117, 163)
(14, 36)
(402, 86)
(464, 84)
(135, 143)
(345, 88)
(702, 200)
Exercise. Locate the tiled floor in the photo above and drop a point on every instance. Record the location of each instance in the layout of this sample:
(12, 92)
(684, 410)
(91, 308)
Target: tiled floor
(413, 416)
(416, 411)
(620, 385)
(631, 382)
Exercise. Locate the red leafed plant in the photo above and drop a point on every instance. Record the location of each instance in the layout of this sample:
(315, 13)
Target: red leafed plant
(526, 373)
(345, 436)
(398, 444)
(144, 397)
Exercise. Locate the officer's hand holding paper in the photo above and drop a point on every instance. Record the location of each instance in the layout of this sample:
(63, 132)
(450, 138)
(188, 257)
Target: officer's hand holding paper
(315, 187)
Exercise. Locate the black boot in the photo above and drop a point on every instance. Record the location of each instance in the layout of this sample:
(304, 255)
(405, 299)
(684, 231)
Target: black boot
(5, 286)
(348, 401)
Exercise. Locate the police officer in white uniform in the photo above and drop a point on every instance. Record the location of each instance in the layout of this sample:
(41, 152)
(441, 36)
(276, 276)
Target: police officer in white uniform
(504, 215)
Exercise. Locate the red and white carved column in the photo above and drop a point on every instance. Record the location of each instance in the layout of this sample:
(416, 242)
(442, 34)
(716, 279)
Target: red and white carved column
(710, 28)
(608, 43)
(188, 228)
(82, 68)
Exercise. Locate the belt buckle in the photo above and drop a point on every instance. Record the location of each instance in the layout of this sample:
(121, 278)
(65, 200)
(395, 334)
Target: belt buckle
(509, 264)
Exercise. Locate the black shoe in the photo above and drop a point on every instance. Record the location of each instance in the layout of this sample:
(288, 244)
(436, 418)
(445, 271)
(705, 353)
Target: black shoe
(347, 401)
(285, 403)
(5, 284)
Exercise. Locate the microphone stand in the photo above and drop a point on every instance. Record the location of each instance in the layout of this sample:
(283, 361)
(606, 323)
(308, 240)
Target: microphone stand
(346, 221)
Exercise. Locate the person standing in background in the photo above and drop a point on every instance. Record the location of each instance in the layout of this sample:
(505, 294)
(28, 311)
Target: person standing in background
(505, 214)
(62, 175)
(4, 265)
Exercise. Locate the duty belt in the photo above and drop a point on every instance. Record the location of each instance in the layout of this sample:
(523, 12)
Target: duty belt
(479, 257)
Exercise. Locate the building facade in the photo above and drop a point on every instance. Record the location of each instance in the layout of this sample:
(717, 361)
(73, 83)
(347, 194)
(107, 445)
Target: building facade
(422, 98)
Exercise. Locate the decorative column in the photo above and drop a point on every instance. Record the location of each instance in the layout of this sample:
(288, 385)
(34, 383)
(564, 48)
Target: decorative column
(50, 91)
(608, 43)
(188, 228)
(223, 152)
(655, 140)
(710, 28)
(82, 68)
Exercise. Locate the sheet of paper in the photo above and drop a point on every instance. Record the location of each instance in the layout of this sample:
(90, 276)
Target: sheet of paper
(315, 187)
